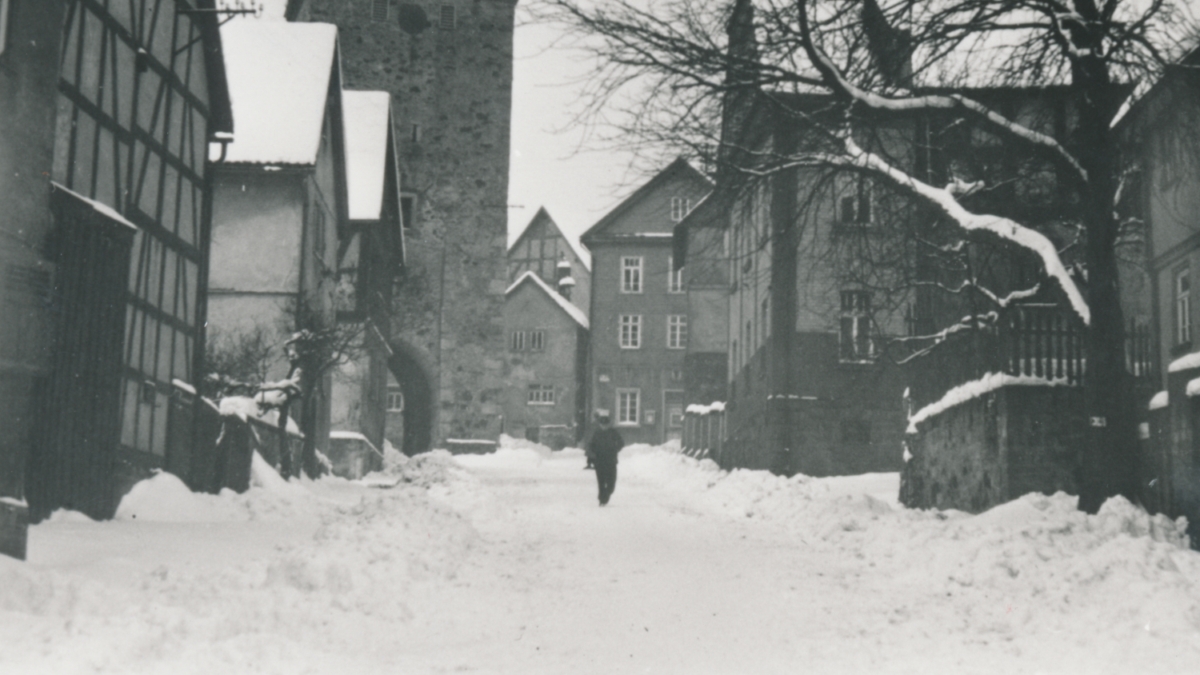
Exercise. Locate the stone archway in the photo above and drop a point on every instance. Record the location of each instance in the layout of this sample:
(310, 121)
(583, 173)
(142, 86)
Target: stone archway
(417, 385)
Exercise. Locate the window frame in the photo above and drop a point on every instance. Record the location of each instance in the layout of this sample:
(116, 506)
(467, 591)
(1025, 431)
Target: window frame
(447, 18)
(5, 13)
(674, 277)
(677, 331)
(632, 274)
(376, 14)
(622, 420)
(516, 342)
(1182, 285)
(537, 340)
(631, 338)
(856, 192)
(388, 406)
(541, 395)
(680, 207)
(854, 328)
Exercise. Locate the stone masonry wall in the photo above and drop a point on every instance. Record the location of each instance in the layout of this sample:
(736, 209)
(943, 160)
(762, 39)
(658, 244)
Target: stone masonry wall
(451, 83)
(995, 448)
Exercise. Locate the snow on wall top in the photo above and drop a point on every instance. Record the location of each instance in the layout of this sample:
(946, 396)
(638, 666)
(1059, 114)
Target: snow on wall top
(974, 389)
(1185, 362)
(278, 82)
(367, 116)
(1162, 399)
(99, 207)
(697, 409)
(573, 311)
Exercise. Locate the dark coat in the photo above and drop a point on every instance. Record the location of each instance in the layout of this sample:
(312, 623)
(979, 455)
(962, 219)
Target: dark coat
(605, 445)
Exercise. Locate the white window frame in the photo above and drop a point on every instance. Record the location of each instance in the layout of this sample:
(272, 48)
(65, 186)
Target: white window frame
(629, 407)
(1183, 305)
(537, 340)
(517, 342)
(677, 329)
(680, 207)
(631, 274)
(541, 394)
(395, 404)
(630, 331)
(674, 277)
(854, 328)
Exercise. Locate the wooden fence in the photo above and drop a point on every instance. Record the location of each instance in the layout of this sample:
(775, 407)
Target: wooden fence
(703, 431)
(1032, 341)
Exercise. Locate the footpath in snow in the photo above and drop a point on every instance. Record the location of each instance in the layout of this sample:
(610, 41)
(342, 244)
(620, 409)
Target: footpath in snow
(504, 563)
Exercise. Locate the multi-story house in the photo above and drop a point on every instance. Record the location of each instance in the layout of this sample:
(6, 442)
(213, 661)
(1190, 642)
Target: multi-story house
(639, 307)
(105, 260)
(370, 260)
(448, 67)
(280, 196)
(1164, 137)
(543, 249)
(547, 354)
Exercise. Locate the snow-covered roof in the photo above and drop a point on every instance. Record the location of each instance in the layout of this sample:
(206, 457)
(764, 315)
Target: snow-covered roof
(278, 82)
(571, 310)
(99, 207)
(367, 118)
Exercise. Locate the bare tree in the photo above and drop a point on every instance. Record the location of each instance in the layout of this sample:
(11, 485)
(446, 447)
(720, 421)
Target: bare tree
(687, 67)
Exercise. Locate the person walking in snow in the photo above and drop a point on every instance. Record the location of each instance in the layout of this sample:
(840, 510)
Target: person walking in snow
(603, 448)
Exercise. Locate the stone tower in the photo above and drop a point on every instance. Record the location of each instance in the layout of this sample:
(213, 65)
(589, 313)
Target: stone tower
(448, 65)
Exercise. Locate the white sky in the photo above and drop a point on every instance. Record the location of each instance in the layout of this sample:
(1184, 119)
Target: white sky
(551, 165)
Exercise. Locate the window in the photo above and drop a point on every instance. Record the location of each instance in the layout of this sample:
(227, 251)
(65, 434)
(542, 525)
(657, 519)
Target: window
(674, 278)
(680, 207)
(631, 274)
(628, 406)
(537, 340)
(518, 341)
(414, 133)
(1183, 306)
(406, 210)
(4, 10)
(855, 329)
(677, 331)
(631, 331)
(379, 10)
(675, 416)
(446, 17)
(541, 394)
(854, 201)
(675, 375)
(395, 401)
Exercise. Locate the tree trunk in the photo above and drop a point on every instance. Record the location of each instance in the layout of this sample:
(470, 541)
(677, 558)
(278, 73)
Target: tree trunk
(1109, 461)
(285, 455)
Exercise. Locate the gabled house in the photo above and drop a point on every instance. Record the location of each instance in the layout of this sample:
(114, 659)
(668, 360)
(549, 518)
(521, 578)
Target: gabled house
(370, 256)
(1163, 134)
(543, 249)
(547, 352)
(639, 310)
(106, 244)
(280, 197)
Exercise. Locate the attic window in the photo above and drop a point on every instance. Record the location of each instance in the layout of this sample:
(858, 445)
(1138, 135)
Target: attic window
(446, 17)
(379, 10)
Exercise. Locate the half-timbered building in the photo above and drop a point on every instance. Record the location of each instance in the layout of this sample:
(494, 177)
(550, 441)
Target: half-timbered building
(140, 95)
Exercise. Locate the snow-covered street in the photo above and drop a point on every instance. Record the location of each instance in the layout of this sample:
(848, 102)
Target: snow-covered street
(504, 563)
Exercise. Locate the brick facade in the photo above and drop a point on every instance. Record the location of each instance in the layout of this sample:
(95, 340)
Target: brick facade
(449, 70)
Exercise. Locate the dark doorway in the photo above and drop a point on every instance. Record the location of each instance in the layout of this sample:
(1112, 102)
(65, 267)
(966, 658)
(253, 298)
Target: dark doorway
(416, 385)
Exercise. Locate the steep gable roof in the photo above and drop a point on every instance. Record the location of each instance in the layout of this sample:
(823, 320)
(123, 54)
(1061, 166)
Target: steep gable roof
(543, 216)
(679, 167)
(368, 119)
(571, 310)
(278, 76)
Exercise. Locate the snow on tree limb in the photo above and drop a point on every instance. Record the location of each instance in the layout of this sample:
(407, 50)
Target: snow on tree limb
(942, 199)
